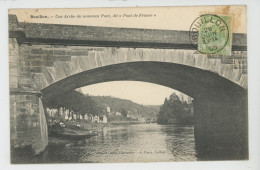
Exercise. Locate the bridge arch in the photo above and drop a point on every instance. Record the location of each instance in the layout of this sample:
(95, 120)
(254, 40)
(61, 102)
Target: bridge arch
(45, 62)
(192, 81)
(219, 104)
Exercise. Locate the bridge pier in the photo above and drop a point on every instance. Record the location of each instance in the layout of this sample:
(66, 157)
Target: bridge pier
(27, 123)
(221, 128)
(43, 58)
(28, 126)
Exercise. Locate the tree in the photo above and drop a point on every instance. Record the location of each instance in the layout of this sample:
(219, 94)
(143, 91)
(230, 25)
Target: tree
(124, 112)
(76, 102)
(172, 111)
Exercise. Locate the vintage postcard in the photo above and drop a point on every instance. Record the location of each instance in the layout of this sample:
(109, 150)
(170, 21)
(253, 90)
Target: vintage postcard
(139, 84)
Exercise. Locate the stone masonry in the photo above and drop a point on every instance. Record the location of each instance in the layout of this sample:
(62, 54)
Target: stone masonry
(43, 54)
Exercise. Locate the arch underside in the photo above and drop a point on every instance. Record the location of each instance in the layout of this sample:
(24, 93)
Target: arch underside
(189, 80)
(220, 105)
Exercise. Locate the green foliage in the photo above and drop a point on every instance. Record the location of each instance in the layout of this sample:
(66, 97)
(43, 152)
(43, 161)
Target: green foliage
(173, 111)
(123, 105)
(75, 101)
(81, 103)
(124, 112)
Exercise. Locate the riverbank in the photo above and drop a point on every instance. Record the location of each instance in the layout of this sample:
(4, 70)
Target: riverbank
(126, 122)
(93, 126)
(80, 130)
(86, 126)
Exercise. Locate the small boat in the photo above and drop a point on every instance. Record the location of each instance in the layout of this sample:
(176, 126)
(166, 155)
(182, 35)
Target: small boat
(71, 136)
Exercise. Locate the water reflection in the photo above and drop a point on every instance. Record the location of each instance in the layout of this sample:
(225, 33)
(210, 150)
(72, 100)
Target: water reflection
(129, 143)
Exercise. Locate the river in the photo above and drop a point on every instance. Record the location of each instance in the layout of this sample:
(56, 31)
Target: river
(129, 143)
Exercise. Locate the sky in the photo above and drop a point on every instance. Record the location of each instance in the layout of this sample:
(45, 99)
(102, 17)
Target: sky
(139, 92)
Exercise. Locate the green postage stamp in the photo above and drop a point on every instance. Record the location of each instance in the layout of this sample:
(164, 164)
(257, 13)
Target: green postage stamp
(212, 34)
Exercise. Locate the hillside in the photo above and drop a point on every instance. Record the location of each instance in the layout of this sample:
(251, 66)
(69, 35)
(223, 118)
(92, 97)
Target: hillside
(116, 105)
(154, 107)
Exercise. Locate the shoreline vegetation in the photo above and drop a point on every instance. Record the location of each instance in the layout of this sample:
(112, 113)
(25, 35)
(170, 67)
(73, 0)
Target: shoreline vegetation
(176, 111)
(73, 113)
(80, 130)
(78, 114)
(79, 117)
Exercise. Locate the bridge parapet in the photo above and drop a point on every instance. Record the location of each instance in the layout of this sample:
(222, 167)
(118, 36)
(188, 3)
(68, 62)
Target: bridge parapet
(43, 54)
(48, 64)
(49, 52)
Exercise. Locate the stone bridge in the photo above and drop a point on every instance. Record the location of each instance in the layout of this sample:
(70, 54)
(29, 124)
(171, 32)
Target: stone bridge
(46, 60)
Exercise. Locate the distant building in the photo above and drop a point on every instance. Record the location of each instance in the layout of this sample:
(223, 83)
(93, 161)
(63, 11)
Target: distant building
(118, 114)
(61, 112)
(129, 115)
(86, 116)
(108, 109)
(78, 116)
(66, 115)
(74, 116)
(141, 119)
(96, 119)
(52, 112)
(90, 118)
(103, 119)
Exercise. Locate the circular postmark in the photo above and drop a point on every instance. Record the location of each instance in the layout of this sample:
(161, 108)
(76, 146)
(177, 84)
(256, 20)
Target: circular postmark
(209, 33)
